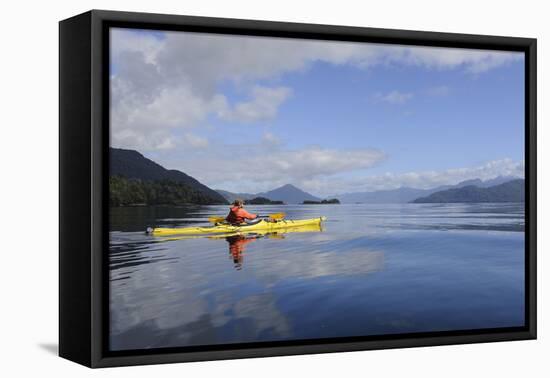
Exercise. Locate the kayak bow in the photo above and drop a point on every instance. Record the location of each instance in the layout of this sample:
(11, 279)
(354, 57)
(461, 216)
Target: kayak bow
(262, 225)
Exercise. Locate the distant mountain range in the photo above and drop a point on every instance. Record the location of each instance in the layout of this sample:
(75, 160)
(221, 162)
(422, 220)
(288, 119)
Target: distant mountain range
(287, 193)
(406, 194)
(511, 191)
(147, 182)
(134, 179)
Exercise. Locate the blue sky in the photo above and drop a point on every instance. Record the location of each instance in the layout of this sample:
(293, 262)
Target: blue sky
(248, 114)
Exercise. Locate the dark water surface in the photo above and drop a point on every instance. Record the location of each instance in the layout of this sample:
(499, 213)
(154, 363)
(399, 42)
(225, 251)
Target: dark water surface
(373, 270)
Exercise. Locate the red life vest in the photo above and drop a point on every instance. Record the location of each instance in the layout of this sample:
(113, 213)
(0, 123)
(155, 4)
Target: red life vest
(238, 215)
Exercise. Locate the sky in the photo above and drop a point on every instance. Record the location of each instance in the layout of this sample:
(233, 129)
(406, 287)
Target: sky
(249, 114)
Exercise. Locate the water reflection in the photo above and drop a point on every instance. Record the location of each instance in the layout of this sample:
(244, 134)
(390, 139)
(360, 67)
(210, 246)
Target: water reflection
(238, 241)
(237, 245)
(372, 270)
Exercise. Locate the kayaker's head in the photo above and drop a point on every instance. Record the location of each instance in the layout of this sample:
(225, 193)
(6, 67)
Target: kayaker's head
(238, 202)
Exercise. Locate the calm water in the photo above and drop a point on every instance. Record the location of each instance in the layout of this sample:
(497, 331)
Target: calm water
(373, 270)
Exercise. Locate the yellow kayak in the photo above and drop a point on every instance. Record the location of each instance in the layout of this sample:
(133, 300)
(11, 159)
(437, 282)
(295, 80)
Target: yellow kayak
(220, 228)
(278, 234)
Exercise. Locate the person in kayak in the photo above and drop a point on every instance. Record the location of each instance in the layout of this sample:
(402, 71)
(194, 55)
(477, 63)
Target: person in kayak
(237, 213)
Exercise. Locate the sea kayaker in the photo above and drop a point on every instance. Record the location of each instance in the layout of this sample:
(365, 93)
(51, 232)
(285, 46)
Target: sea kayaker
(237, 213)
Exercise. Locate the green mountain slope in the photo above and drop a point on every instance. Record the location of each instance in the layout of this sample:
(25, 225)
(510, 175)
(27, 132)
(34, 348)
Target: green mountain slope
(134, 179)
(511, 191)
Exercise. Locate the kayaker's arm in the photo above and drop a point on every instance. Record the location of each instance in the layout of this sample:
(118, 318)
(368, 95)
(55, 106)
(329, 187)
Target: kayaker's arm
(245, 214)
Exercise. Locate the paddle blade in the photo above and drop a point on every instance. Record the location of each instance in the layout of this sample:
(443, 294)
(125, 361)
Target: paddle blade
(277, 216)
(216, 219)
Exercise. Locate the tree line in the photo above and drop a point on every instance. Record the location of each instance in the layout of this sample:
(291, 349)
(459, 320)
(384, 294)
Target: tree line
(124, 192)
(332, 201)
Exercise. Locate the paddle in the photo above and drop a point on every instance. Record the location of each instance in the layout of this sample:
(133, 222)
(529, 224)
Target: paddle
(276, 216)
(216, 219)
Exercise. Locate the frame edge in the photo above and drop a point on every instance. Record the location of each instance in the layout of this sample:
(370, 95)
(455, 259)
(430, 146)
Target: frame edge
(75, 272)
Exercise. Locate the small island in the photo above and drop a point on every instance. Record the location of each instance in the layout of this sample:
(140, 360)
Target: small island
(262, 201)
(333, 201)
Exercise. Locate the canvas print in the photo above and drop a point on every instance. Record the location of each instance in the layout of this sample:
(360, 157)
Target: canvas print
(268, 189)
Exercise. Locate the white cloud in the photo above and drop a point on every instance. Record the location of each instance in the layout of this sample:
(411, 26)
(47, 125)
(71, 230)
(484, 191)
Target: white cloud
(263, 105)
(397, 97)
(140, 124)
(170, 81)
(255, 168)
(195, 141)
(473, 61)
(320, 171)
(134, 139)
(419, 180)
(271, 139)
(394, 97)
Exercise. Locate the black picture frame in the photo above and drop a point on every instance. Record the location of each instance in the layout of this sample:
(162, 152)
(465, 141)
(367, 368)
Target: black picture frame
(83, 167)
